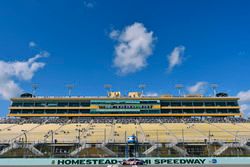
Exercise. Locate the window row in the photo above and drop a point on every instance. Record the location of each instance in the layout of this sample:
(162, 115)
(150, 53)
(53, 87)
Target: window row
(199, 103)
(126, 112)
(200, 111)
(50, 104)
(19, 111)
(63, 111)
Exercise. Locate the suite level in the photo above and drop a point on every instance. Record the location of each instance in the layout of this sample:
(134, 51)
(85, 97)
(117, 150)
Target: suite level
(124, 106)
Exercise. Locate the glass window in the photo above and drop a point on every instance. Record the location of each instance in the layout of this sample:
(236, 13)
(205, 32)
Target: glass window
(84, 111)
(38, 111)
(40, 104)
(209, 104)
(50, 111)
(222, 110)
(198, 103)
(187, 104)
(175, 103)
(199, 111)
(52, 104)
(176, 111)
(165, 111)
(73, 111)
(232, 103)
(152, 111)
(27, 111)
(85, 104)
(62, 111)
(211, 110)
(233, 111)
(28, 104)
(15, 111)
(74, 104)
(62, 104)
(188, 111)
(17, 104)
(165, 103)
(221, 103)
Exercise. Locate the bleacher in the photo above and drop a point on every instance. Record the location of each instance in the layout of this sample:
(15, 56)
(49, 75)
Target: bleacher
(117, 130)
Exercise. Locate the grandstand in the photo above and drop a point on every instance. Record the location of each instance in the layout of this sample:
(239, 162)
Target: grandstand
(165, 126)
(76, 136)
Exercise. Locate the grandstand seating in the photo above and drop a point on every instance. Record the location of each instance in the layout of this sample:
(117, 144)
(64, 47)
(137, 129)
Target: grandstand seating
(41, 133)
(121, 131)
(14, 132)
(103, 130)
(97, 133)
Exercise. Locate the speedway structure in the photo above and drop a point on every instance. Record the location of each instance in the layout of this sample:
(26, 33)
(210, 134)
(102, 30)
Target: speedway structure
(165, 126)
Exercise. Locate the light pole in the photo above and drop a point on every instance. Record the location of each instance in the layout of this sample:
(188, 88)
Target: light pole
(214, 87)
(52, 143)
(142, 87)
(34, 88)
(209, 136)
(183, 139)
(108, 88)
(79, 139)
(70, 88)
(209, 141)
(236, 135)
(179, 87)
(105, 135)
(25, 141)
(126, 146)
(157, 142)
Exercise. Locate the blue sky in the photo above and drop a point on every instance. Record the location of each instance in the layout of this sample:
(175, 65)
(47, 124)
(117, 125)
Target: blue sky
(214, 35)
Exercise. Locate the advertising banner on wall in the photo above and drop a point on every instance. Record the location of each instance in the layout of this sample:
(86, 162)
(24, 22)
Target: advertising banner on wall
(107, 161)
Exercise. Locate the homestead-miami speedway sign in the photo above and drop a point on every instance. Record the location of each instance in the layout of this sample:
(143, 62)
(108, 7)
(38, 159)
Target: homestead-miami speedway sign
(151, 161)
(106, 161)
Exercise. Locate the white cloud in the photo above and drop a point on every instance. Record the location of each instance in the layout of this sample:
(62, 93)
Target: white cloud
(32, 44)
(114, 34)
(245, 107)
(244, 102)
(244, 96)
(151, 94)
(11, 72)
(134, 46)
(89, 3)
(199, 87)
(8, 89)
(175, 58)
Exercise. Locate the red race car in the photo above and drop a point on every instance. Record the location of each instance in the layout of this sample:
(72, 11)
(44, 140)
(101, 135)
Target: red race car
(132, 162)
